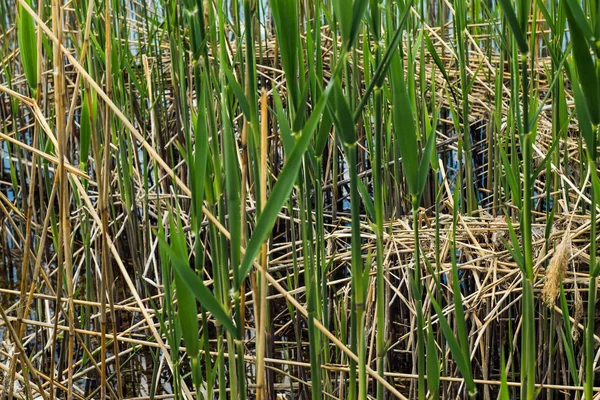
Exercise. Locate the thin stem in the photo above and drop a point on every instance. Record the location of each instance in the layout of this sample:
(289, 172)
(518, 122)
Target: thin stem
(417, 289)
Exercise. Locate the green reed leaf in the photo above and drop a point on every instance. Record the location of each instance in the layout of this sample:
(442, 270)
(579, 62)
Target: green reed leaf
(188, 312)
(287, 136)
(582, 110)
(504, 391)
(300, 114)
(546, 158)
(199, 166)
(323, 133)
(577, 18)
(238, 91)
(433, 364)
(358, 11)
(285, 15)
(88, 117)
(367, 200)
(339, 110)
(404, 125)
(585, 67)
(524, 8)
(28, 46)
(428, 153)
(282, 189)
(515, 26)
(513, 183)
(567, 336)
(547, 17)
(515, 249)
(343, 13)
(464, 365)
(196, 286)
(440, 64)
(573, 366)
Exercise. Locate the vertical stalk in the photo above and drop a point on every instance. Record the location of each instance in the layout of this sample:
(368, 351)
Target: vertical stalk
(262, 282)
(519, 27)
(64, 248)
(358, 304)
(232, 206)
(311, 287)
(465, 133)
(528, 335)
(378, 202)
(593, 282)
(103, 201)
(25, 301)
(417, 289)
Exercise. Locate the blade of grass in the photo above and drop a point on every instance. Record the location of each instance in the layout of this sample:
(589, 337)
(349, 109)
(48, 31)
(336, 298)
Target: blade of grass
(28, 46)
(283, 187)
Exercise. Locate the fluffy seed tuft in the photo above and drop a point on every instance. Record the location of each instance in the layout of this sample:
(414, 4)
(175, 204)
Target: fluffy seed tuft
(556, 269)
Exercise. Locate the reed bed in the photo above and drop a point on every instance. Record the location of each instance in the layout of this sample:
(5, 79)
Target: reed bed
(314, 199)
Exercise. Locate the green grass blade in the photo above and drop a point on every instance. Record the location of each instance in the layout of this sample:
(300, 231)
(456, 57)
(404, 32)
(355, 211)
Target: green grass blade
(283, 187)
(458, 354)
(300, 113)
(358, 11)
(512, 178)
(28, 46)
(404, 125)
(428, 155)
(573, 367)
(339, 110)
(582, 111)
(557, 76)
(586, 69)
(440, 65)
(524, 8)
(568, 337)
(367, 200)
(547, 157)
(285, 15)
(504, 391)
(577, 18)
(287, 136)
(343, 14)
(433, 365)
(187, 309)
(515, 26)
(88, 117)
(197, 287)
(198, 171)
(323, 133)
(515, 249)
(238, 91)
(547, 17)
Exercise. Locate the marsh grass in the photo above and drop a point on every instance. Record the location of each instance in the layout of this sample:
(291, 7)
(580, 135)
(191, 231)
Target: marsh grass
(318, 199)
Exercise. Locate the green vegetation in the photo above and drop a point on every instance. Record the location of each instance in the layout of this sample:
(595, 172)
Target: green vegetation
(309, 199)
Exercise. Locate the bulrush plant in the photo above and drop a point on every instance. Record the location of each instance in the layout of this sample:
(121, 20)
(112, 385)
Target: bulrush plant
(265, 199)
